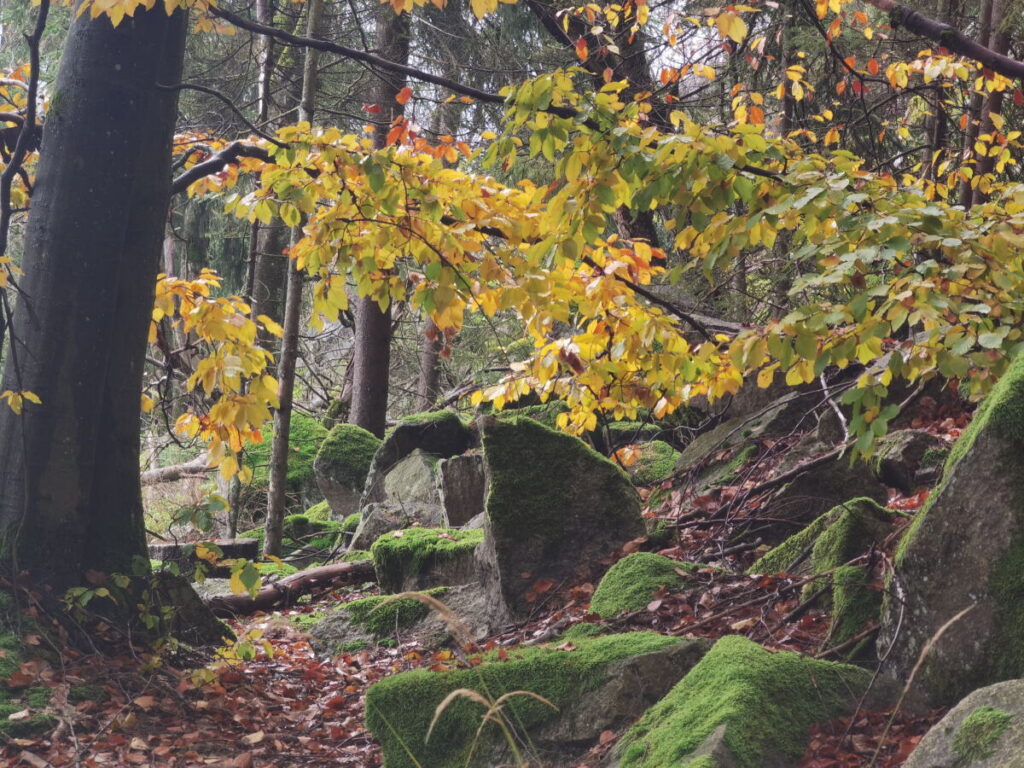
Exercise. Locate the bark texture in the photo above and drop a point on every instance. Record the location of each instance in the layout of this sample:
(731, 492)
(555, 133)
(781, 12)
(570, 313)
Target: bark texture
(70, 498)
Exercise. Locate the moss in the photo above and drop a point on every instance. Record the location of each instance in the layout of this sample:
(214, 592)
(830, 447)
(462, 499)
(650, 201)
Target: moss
(306, 621)
(304, 441)
(37, 697)
(656, 462)
(276, 569)
(630, 584)
(766, 701)
(356, 555)
(977, 735)
(736, 464)
(413, 551)
(934, 457)
(350, 523)
(348, 450)
(583, 631)
(831, 540)
(623, 432)
(399, 708)
(319, 512)
(352, 646)
(381, 616)
(545, 413)
(432, 417)
(854, 605)
(704, 761)
(663, 533)
(30, 726)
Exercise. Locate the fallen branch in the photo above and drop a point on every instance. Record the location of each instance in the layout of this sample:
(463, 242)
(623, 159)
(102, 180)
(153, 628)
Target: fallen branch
(283, 592)
(195, 468)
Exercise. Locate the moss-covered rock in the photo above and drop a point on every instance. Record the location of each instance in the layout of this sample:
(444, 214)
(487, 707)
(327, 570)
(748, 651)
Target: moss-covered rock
(555, 508)
(350, 523)
(546, 413)
(743, 704)
(341, 467)
(985, 730)
(602, 684)
(836, 537)
(631, 583)
(656, 462)
(854, 606)
(320, 511)
(304, 439)
(965, 550)
(415, 558)
(369, 620)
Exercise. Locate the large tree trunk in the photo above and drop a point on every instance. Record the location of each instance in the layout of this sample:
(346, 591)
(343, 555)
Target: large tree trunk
(372, 356)
(69, 468)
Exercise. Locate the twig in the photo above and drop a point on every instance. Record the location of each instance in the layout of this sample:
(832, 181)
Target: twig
(870, 630)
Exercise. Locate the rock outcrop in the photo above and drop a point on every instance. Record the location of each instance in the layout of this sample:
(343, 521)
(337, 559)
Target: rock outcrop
(341, 467)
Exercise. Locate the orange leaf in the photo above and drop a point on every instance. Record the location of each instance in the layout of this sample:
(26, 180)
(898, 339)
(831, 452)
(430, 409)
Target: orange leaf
(581, 49)
(404, 95)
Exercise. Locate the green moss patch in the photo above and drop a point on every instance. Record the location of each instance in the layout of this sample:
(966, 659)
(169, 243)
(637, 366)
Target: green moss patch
(977, 735)
(301, 532)
(854, 606)
(766, 702)
(631, 583)
(399, 708)
(348, 451)
(545, 413)
(356, 555)
(656, 462)
(406, 554)
(319, 512)
(381, 616)
(350, 523)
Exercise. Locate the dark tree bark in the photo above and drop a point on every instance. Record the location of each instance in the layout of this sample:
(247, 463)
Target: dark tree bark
(372, 356)
(70, 498)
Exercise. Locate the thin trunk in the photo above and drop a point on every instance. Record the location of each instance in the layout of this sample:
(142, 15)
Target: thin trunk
(974, 111)
(372, 356)
(999, 41)
(70, 499)
(293, 310)
(430, 370)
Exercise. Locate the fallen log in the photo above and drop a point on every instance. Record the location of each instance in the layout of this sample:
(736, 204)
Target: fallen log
(283, 593)
(197, 467)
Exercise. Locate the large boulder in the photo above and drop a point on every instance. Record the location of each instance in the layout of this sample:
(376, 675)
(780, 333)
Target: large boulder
(742, 707)
(409, 494)
(341, 467)
(441, 434)
(965, 550)
(555, 508)
(595, 685)
(985, 730)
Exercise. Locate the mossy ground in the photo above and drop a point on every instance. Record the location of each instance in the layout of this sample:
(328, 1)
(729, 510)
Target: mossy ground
(630, 584)
(12, 654)
(399, 708)
(977, 735)
(413, 551)
(302, 532)
(767, 702)
(348, 450)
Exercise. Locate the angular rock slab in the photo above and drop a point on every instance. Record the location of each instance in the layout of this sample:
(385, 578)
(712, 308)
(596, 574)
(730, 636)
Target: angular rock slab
(599, 684)
(985, 730)
(555, 508)
(742, 707)
(463, 486)
(965, 550)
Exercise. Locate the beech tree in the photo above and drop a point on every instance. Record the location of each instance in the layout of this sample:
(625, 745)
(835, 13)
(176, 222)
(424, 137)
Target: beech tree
(70, 499)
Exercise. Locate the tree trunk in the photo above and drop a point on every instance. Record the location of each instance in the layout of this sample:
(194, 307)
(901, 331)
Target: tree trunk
(274, 528)
(70, 498)
(372, 356)
(974, 110)
(999, 41)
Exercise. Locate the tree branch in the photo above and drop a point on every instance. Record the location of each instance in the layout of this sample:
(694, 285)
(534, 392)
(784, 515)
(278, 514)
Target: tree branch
(230, 154)
(948, 37)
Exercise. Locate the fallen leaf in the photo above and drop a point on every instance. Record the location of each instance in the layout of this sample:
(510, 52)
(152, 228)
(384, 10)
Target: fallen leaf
(253, 738)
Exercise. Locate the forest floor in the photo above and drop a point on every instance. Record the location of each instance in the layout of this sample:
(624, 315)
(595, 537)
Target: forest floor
(269, 701)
